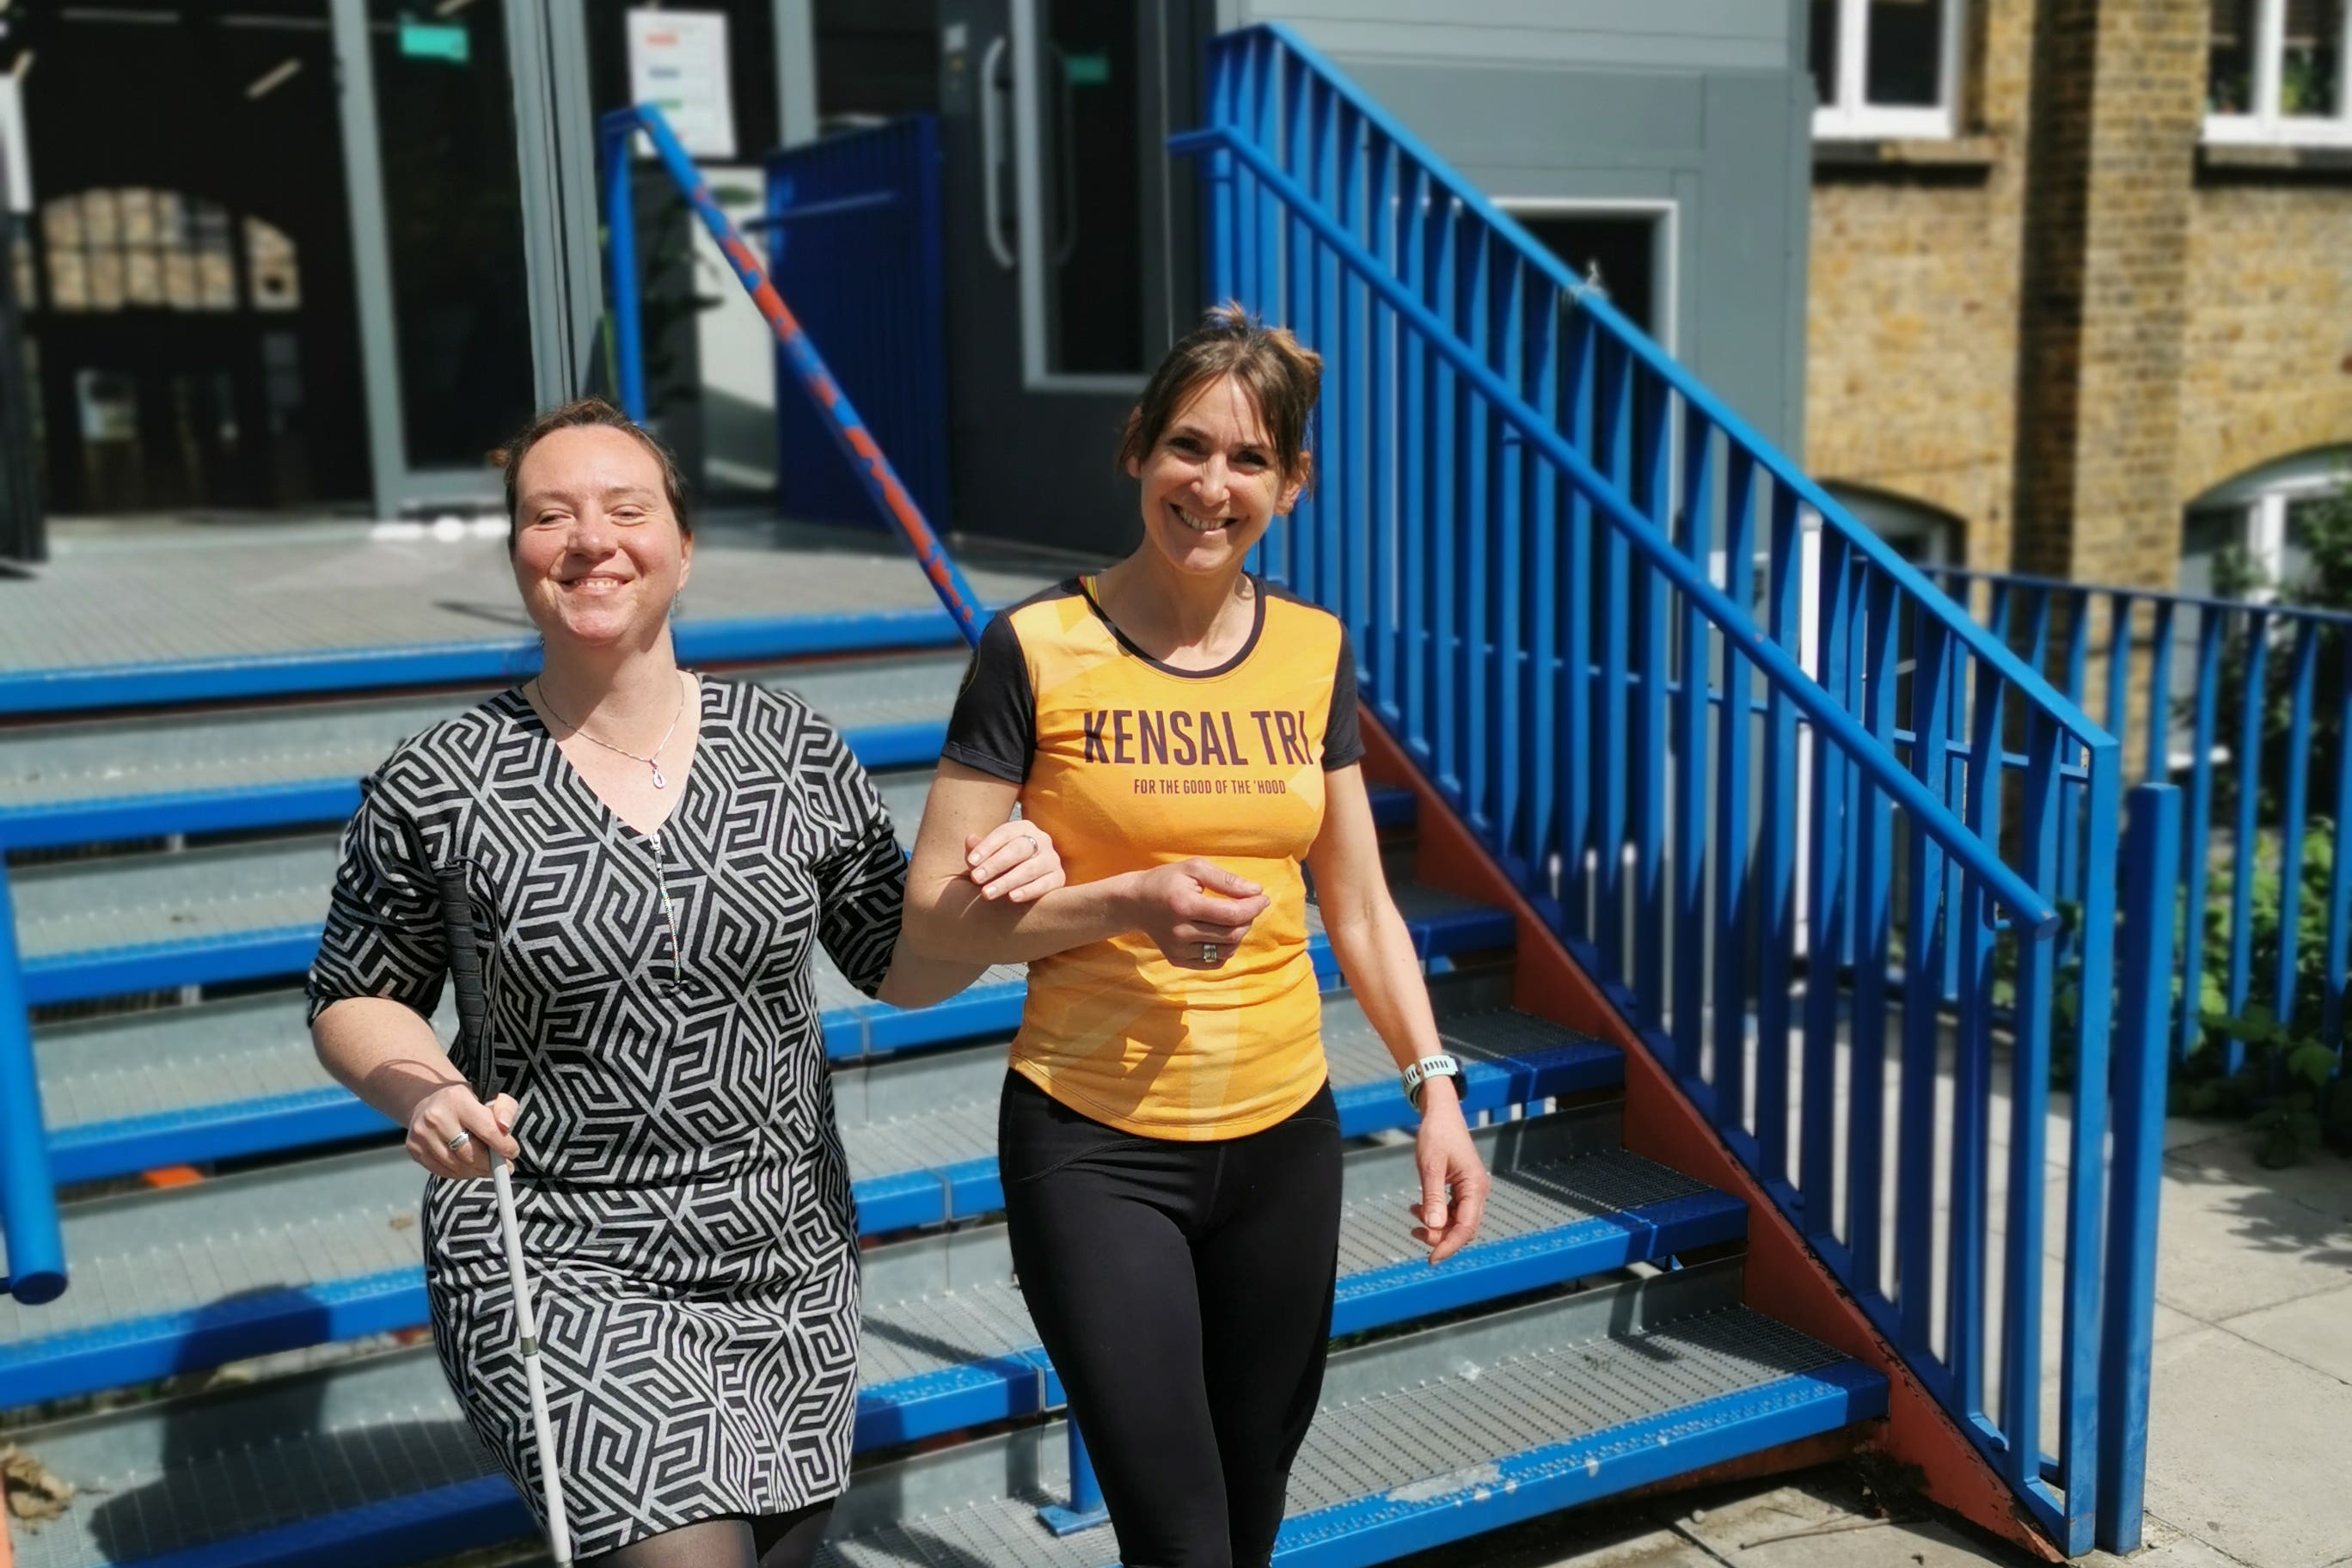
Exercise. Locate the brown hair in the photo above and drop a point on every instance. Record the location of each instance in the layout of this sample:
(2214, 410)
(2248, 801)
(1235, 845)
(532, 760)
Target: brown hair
(1281, 376)
(589, 412)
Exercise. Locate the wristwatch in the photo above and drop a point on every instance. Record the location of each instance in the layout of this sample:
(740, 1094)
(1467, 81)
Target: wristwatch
(1421, 1072)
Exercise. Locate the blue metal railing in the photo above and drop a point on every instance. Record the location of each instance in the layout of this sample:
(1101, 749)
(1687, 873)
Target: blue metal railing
(853, 236)
(889, 494)
(1749, 764)
(2224, 697)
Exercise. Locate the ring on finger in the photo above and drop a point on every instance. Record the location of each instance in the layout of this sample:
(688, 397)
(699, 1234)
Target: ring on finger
(459, 1141)
(1208, 952)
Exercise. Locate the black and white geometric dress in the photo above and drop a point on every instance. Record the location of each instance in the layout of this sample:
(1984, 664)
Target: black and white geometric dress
(682, 1191)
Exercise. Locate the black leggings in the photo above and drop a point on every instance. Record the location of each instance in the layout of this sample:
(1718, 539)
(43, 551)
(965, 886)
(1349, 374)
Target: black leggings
(771, 1540)
(1184, 1293)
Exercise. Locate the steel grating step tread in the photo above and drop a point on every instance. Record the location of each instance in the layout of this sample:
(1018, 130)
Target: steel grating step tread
(329, 1249)
(1525, 1411)
(1486, 1443)
(239, 911)
(236, 1077)
(164, 759)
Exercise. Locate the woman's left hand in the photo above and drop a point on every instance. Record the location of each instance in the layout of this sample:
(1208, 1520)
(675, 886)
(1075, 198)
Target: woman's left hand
(1454, 1180)
(1014, 860)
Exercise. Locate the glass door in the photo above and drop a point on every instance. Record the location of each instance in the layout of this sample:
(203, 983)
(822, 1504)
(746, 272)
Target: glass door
(1094, 89)
(471, 174)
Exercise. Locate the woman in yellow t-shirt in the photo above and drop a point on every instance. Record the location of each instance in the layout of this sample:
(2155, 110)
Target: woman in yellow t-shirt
(1188, 734)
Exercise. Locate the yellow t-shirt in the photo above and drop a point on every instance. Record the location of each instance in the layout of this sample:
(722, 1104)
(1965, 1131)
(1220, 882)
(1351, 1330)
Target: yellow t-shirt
(1130, 764)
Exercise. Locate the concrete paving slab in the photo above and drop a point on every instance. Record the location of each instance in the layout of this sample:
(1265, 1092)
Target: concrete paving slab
(2314, 1329)
(2235, 1237)
(2164, 1546)
(2246, 1451)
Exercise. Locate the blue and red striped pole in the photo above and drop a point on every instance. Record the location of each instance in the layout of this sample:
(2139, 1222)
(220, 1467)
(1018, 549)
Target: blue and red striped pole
(857, 442)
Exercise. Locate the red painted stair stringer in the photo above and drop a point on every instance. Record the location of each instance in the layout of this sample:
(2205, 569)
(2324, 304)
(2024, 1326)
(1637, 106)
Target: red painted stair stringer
(1785, 1279)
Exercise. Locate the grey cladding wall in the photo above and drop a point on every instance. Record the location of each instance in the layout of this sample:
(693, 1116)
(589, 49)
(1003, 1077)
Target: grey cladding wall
(1700, 104)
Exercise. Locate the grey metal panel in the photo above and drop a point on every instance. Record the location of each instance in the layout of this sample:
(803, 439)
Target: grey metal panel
(1745, 250)
(1534, 115)
(1693, 35)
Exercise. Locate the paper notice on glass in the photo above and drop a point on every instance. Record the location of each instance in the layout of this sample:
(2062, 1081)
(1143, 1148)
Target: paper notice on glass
(677, 63)
(16, 159)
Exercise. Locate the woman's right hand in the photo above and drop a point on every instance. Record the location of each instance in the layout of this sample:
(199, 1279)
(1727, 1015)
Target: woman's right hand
(453, 1109)
(1193, 905)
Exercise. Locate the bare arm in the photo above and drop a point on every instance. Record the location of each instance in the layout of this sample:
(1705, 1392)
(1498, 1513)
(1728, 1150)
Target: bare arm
(383, 1052)
(949, 916)
(1013, 862)
(1376, 954)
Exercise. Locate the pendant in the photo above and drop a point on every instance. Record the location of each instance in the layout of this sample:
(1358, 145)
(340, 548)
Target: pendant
(659, 782)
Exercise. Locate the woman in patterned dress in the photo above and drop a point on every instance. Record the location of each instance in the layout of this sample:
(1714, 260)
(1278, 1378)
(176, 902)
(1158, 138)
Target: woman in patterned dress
(651, 857)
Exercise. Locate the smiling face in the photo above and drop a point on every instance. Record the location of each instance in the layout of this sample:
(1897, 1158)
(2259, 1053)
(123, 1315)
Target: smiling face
(1213, 481)
(598, 552)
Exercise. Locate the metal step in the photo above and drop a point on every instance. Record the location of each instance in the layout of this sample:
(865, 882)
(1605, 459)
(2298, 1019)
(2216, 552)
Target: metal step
(222, 1079)
(151, 773)
(147, 774)
(123, 923)
(302, 1254)
(945, 1343)
(1432, 1437)
(1420, 1439)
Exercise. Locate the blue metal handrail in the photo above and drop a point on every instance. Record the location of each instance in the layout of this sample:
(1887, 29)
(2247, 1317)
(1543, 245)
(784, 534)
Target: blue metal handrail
(2160, 657)
(859, 447)
(28, 1209)
(1519, 504)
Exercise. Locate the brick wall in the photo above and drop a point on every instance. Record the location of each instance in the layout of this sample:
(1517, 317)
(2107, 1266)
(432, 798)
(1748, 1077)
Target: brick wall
(2267, 355)
(2063, 337)
(1911, 312)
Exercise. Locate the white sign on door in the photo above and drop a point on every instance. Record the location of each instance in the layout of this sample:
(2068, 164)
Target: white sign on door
(677, 62)
(16, 159)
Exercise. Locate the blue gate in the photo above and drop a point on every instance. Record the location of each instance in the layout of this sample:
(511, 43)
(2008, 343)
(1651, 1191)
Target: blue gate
(853, 231)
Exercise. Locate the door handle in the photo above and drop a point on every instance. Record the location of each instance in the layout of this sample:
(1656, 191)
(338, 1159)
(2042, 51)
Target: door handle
(992, 155)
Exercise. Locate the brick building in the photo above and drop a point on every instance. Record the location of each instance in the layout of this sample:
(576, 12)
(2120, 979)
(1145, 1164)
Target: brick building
(2081, 288)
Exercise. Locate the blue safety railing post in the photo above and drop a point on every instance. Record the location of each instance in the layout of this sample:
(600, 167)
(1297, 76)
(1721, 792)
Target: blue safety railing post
(29, 1197)
(2151, 873)
(866, 457)
(1517, 453)
(621, 247)
(1085, 1509)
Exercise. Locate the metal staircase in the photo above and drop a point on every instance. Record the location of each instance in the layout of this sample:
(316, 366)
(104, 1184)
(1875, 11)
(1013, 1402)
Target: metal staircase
(1751, 853)
(311, 1242)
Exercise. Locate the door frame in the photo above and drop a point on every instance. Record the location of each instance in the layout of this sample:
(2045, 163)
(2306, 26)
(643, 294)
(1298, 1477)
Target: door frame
(555, 155)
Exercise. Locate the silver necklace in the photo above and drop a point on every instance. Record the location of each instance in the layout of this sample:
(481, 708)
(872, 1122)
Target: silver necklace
(652, 762)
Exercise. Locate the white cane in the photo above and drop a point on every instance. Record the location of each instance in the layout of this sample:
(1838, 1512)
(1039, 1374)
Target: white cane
(466, 975)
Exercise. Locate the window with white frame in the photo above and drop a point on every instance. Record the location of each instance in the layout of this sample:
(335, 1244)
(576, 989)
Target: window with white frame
(2254, 527)
(2274, 72)
(1886, 67)
(2260, 519)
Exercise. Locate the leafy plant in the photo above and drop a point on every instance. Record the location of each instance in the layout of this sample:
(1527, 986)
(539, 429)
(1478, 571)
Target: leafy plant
(2286, 1081)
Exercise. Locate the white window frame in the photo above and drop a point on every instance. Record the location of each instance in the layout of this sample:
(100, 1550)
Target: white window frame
(1029, 199)
(1850, 116)
(2263, 510)
(2266, 126)
(1664, 216)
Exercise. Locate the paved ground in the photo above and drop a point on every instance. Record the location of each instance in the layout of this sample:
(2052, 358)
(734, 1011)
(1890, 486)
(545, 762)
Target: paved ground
(149, 590)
